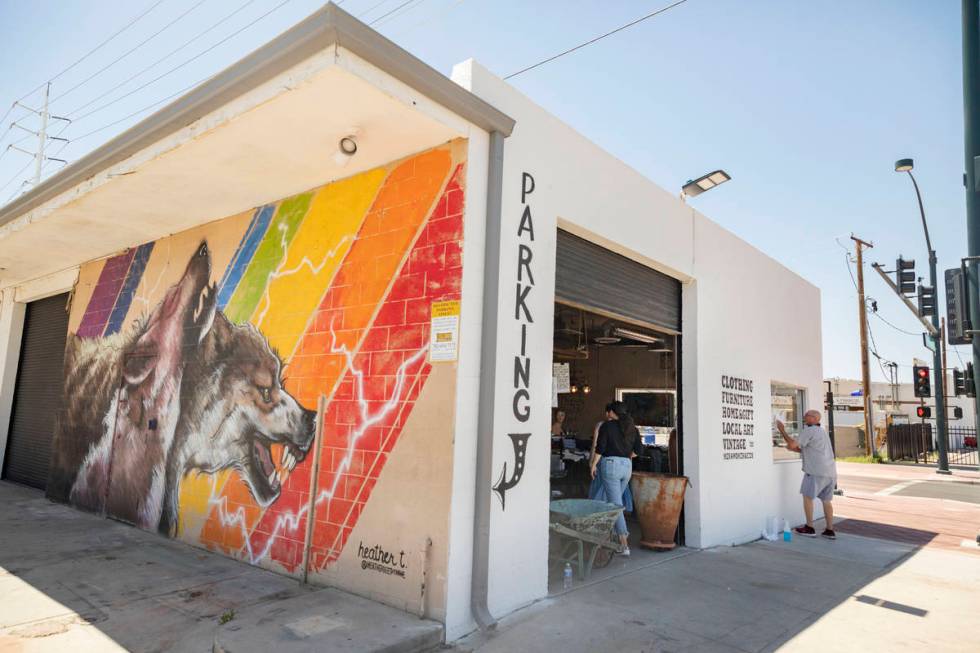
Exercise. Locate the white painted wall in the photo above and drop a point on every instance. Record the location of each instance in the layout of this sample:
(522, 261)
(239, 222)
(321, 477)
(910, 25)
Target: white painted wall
(744, 315)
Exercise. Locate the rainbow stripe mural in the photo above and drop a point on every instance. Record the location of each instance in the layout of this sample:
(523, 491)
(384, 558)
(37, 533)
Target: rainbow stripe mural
(323, 294)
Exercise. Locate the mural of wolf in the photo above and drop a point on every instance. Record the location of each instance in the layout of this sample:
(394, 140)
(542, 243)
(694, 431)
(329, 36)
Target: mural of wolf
(183, 390)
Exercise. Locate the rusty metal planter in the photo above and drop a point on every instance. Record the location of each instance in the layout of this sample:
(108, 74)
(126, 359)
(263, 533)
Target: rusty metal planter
(657, 502)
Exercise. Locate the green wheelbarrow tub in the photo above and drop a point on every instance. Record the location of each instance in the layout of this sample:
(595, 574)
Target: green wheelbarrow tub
(585, 527)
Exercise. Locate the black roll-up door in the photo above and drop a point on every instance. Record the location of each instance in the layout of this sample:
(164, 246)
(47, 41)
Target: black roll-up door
(591, 276)
(37, 395)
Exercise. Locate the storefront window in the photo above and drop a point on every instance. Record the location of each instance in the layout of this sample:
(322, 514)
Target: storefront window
(788, 405)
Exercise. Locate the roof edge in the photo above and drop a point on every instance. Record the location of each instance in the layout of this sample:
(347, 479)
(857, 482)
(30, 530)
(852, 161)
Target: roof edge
(328, 26)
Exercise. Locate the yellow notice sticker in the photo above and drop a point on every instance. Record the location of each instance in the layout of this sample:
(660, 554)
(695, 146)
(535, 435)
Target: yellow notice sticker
(444, 331)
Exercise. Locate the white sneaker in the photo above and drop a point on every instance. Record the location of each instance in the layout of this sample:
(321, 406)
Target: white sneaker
(625, 552)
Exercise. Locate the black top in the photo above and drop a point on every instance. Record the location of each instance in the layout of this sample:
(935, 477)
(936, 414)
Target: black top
(611, 441)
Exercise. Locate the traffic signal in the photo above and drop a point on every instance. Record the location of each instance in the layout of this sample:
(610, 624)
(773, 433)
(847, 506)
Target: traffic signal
(923, 412)
(959, 382)
(970, 386)
(920, 381)
(927, 301)
(905, 276)
(957, 412)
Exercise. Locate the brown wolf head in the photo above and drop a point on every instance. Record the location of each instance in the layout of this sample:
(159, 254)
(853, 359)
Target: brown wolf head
(233, 410)
(236, 406)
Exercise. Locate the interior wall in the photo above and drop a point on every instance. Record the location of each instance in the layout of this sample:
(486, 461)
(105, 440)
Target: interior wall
(196, 365)
(607, 369)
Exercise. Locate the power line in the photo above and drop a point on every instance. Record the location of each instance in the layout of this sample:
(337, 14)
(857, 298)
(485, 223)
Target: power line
(957, 352)
(77, 61)
(385, 15)
(130, 51)
(208, 30)
(90, 52)
(16, 175)
(847, 264)
(181, 65)
(139, 111)
(429, 17)
(371, 8)
(598, 38)
(103, 43)
(908, 333)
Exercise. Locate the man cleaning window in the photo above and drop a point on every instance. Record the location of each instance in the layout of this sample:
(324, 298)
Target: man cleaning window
(819, 471)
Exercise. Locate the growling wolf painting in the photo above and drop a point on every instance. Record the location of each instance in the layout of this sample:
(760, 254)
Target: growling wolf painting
(185, 391)
(195, 366)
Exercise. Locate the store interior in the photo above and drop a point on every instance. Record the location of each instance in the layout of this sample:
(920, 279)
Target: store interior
(599, 359)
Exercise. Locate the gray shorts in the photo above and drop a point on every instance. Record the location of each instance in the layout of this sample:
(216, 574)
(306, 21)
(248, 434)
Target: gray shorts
(817, 487)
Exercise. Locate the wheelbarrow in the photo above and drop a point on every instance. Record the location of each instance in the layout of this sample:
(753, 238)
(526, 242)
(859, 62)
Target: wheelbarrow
(583, 530)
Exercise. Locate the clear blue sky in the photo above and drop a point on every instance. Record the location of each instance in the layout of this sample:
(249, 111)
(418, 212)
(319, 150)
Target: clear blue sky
(806, 104)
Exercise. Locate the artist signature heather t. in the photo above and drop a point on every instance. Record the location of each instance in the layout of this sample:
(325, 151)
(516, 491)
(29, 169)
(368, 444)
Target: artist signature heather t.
(818, 455)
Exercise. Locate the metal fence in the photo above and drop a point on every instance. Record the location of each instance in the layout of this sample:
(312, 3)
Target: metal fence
(963, 446)
(910, 442)
(915, 442)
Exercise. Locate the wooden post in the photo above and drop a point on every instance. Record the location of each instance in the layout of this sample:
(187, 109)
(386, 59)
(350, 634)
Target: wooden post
(315, 472)
(865, 372)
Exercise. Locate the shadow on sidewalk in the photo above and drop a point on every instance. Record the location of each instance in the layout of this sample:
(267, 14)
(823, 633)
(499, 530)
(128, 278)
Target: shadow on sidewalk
(80, 582)
(914, 536)
(754, 597)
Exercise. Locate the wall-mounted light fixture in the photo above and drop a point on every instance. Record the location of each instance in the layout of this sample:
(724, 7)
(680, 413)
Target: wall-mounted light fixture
(346, 147)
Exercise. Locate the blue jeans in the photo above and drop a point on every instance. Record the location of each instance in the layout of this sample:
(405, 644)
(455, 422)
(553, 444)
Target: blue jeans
(615, 473)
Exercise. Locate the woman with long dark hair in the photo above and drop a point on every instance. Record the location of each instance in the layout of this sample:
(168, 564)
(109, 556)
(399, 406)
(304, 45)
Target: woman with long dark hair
(618, 442)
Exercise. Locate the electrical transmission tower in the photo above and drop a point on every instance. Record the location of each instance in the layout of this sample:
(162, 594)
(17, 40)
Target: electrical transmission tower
(42, 137)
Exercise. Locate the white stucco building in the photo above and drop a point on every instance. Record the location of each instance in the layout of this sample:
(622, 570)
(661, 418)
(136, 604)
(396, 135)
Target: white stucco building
(557, 241)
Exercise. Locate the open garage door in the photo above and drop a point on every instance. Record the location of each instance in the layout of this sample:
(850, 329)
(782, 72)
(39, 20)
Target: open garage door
(591, 276)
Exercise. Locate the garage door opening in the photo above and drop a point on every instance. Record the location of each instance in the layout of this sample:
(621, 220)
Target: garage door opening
(616, 338)
(38, 392)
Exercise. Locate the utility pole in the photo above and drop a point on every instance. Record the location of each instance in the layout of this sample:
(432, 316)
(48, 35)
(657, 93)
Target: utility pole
(830, 417)
(869, 435)
(893, 368)
(971, 139)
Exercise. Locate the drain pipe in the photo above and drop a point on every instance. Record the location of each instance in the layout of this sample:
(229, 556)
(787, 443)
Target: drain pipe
(480, 578)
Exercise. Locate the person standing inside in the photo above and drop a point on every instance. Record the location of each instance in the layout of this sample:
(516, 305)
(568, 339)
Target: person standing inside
(819, 471)
(597, 491)
(617, 443)
(558, 426)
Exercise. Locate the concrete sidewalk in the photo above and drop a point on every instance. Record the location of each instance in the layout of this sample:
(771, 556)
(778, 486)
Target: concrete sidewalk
(71, 581)
(853, 594)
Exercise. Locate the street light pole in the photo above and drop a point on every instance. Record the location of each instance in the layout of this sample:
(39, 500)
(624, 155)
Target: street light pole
(971, 138)
(905, 165)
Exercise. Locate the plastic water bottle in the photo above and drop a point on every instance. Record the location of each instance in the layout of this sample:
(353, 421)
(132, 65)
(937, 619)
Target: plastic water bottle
(787, 533)
(566, 582)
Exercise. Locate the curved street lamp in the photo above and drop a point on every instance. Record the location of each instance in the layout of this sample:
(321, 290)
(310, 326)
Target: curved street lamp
(906, 165)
